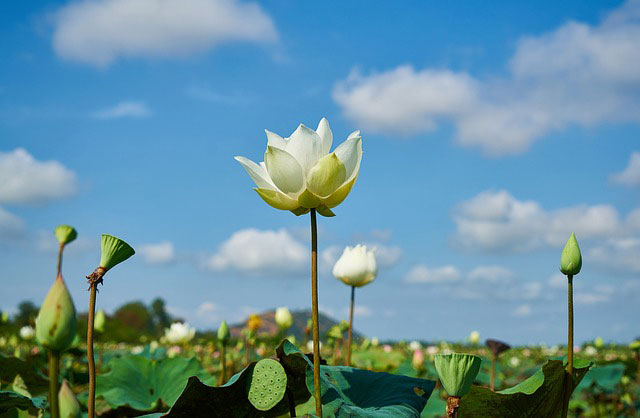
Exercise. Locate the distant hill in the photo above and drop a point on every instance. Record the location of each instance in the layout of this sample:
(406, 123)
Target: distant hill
(300, 318)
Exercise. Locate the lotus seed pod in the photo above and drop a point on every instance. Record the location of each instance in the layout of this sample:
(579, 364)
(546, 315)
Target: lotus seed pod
(571, 260)
(65, 234)
(69, 406)
(267, 385)
(99, 321)
(56, 323)
(283, 317)
(457, 372)
(223, 332)
(114, 251)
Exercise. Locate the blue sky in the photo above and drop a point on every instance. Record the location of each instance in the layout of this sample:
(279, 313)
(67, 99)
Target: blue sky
(490, 132)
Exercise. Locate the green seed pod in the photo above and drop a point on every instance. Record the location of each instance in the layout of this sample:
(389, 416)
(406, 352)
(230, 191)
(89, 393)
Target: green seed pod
(457, 372)
(99, 321)
(69, 406)
(56, 323)
(65, 234)
(114, 251)
(223, 333)
(571, 261)
(267, 385)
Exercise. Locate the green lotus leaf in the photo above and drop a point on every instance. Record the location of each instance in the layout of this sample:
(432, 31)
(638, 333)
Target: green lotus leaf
(10, 400)
(65, 234)
(347, 392)
(10, 367)
(541, 395)
(141, 383)
(114, 251)
(603, 379)
(457, 371)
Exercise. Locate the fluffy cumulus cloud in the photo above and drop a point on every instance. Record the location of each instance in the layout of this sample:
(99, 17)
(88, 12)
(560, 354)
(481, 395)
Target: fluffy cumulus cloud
(618, 255)
(126, 109)
(577, 74)
(98, 32)
(160, 253)
(630, 176)
(498, 221)
(260, 252)
(423, 274)
(26, 180)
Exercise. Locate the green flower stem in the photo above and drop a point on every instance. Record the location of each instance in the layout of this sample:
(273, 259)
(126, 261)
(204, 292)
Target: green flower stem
(569, 386)
(494, 360)
(224, 365)
(60, 258)
(350, 333)
(314, 313)
(54, 371)
(570, 343)
(92, 364)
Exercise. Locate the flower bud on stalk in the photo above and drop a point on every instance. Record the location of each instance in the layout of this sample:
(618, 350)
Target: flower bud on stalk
(223, 338)
(283, 318)
(69, 406)
(570, 265)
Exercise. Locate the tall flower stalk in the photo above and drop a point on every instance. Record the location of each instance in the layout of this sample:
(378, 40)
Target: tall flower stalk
(299, 174)
(223, 339)
(113, 252)
(570, 265)
(56, 323)
(356, 267)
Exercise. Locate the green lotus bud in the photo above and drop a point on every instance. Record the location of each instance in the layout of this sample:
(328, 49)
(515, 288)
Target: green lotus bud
(571, 260)
(69, 406)
(223, 333)
(65, 234)
(457, 372)
(99, 321)
(4, 318)
(114, 251)
(56, 323)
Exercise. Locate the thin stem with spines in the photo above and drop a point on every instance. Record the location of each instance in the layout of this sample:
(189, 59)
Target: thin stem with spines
(223, 374)
(314, 313)
(54, 371)
(90, 359)
(60, 258)
(350, 332)
(569, 387)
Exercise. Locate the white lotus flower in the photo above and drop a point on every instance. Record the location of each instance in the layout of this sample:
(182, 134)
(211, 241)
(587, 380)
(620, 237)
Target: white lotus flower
(283, 317)
(27, 332)
(474, 337)
(299, 173)
(356, 266)
(179, 333)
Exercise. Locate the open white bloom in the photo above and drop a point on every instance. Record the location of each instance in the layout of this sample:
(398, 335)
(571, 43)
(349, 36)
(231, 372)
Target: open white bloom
(356, 266)
(27, 332)
(283, 317)
(299, 173)
(415, 345)
(179, 333)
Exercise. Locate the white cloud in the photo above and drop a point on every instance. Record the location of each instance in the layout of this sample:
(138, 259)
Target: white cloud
(630, 176)
(126, 109)
(11, 226)
(260, 251)
(423, 274)
(26, 180)
(360, 311)
(497, 221)
(599, 294)
(491, 274)
(209, 312)
(522, 311)
(160, 253)
(577, 74)
(99, 32)
(621, 255)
